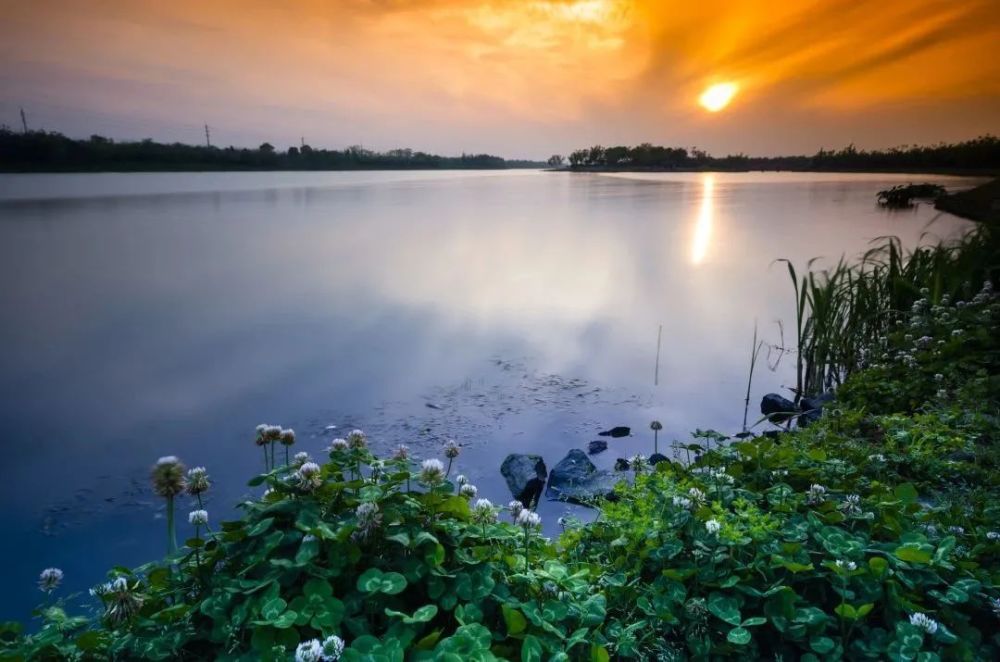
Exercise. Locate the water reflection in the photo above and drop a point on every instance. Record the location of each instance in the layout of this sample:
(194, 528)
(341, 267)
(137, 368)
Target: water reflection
(703, 226)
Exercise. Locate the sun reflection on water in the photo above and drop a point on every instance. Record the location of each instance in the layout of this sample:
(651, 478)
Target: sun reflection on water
(703, 226)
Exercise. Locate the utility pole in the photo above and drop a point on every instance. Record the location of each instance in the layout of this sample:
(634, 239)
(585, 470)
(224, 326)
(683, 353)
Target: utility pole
(24, 121)
(302, 141)
(208, 137)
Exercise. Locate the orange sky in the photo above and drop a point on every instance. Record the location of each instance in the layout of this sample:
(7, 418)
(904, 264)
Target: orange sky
(514, 77)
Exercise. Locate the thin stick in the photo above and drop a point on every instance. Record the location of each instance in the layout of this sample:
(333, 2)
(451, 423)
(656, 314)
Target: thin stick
(754, 350)
(656, 371)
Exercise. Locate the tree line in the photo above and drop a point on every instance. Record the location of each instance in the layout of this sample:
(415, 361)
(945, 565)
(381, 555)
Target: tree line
(981, 154)
(48, 151)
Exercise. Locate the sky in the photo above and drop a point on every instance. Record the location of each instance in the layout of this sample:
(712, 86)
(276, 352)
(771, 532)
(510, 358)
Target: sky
(518, 78)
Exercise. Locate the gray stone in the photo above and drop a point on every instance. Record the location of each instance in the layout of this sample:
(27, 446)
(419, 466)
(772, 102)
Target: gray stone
(621, 464)
(525, 476)
(812, 408)
(656, 458)
(616, 432)
(777, 408)
(576, 479)
(597, 446)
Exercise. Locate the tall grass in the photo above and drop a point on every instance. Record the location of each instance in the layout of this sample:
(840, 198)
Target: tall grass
(842, 312)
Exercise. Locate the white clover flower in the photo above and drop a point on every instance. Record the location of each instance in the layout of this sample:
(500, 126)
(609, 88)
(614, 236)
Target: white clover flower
(121, 601)
(309, 476)
(924, 622)
(197, 481)
(369, 520)
(287, 437)
(682, 502)
(198, 517)
(993, 535)
(309, 651)
(851, 504)
(528, 519)
(50, 579)
(942, 394)
(469, 491)
(995, 606)
(357, 439)
(779, 473)
(402, 452)
(337, 444)
(483, 512)
(849, 566)
(168, 477)
(300, 458)
(461, 479)
(721, 475)
(697, 496)
(268, 492)
(938, 377)
(816, 494)
(957, 530)
(432, 471)
(957, 332)
(451, 449)
(712, 526)
(637, 462)
(515, 507)
(333, 648)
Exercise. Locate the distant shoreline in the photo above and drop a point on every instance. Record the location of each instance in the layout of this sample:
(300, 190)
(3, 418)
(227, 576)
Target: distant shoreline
(195, 169)
(957, 172)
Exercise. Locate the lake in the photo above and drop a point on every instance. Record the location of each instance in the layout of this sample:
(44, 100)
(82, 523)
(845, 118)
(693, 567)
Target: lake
(514, 311)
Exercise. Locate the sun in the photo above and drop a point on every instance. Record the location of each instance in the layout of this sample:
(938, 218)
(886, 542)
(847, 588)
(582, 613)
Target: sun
(717, 97)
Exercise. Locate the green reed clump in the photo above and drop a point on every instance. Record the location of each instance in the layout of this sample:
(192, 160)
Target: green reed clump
(844, 313)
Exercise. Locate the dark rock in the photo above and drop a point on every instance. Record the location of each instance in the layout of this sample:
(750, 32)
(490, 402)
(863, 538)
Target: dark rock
(656, 458)
(621, 464)
(616, 432)
(597, 446)
(812, 408)
(776, 408)
(576, 479)
(525, 476)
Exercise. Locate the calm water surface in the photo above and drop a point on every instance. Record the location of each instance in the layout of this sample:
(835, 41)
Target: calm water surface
(155, 314)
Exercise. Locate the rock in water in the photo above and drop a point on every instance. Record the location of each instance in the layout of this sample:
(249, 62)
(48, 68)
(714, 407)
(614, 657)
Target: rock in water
(776, 408)
(616, 432)
(812, 408)
(597, 446)
(621, 464)
(576, 479)
(525, 476)
(656, 458)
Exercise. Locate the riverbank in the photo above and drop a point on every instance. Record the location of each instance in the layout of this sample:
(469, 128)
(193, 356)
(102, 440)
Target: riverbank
(957, 172)
(869, 533)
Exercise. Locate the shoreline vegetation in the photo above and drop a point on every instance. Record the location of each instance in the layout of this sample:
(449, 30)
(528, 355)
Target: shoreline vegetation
(979, 156)
(859, 521)
(53, 152)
